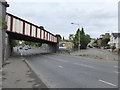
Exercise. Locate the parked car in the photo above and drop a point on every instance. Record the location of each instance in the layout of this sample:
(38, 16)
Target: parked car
(20, 47)
(29, 47)
(25, 47)
(62, 48)
(107, 47)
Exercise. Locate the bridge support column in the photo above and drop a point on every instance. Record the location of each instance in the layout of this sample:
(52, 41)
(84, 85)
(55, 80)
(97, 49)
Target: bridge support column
(3, 5)
(8, 47)
(53, 48)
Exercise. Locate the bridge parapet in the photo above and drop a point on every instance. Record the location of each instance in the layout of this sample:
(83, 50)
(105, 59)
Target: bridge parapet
(23, 27)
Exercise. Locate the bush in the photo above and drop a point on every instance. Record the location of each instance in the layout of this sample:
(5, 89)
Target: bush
(95, 45)
(113, 48)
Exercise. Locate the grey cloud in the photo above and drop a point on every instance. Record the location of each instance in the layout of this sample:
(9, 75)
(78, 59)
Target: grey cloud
(56, 17)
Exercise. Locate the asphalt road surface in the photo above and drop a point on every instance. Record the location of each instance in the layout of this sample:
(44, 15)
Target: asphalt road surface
(65, 71)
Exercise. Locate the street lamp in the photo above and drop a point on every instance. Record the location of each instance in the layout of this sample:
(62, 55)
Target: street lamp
(76, 24)
(79, 33)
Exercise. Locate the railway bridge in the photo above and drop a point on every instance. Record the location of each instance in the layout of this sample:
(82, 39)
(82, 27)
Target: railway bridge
(15, 28)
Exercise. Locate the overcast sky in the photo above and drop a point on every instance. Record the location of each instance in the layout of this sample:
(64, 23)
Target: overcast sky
(96, 16)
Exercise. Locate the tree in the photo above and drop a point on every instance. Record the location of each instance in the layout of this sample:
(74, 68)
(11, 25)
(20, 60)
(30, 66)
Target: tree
(82, 32)
(59, 37)
(95, 44)
(41, 27)
(84, 39)
(81, 38)
(63, 38)
(32, 43)
(14, 43)
(105, 41)
(38, 44)
(71, 37)
(76, 39)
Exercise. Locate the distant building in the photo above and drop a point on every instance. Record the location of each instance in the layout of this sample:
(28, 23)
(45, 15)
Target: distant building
(106, 35)
(99, 42)
(102, 36)
(115, 40)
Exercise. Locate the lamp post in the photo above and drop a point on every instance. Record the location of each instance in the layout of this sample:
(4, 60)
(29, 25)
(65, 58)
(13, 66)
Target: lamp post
(79, 33)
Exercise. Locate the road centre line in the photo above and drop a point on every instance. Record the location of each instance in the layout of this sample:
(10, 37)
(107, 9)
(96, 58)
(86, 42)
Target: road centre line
(74, 63)
(61, 60)
(108, 83)
(84, 65)
(60, 66)
(57, 59)
(116, 67)
(116, 72)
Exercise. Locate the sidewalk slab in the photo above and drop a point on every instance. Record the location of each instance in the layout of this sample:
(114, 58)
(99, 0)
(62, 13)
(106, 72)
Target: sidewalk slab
(16, 74)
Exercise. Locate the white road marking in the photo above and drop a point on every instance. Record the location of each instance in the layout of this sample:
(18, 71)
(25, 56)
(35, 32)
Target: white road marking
(84, 65)
(116, 67)
(108, 83)
(57, 59)
(61, 60)
(116, 72)
(60, 66)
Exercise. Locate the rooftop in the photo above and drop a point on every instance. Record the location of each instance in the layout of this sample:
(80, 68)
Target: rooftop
(116, 35)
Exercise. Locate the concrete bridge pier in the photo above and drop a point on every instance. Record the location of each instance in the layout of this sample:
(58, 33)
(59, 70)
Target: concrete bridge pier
(53, 48)
(3, 6)
(8, 47)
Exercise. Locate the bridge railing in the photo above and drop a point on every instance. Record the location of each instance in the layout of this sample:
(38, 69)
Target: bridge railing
(23, 27)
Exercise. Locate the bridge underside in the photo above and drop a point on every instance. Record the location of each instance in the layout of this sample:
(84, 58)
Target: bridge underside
(16, 36)
(19, 29)
(51, 46)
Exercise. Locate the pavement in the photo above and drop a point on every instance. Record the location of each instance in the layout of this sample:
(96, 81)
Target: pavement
(0, 78)
(17, 74)
(98, 54)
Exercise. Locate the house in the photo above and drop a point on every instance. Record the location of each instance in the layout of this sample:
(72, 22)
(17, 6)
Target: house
(106, 35)
(99, 40)
(115, 40)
